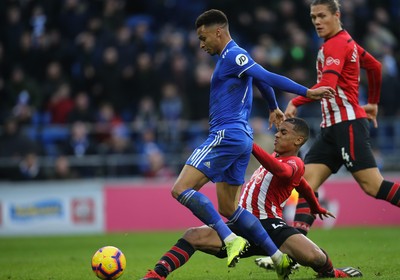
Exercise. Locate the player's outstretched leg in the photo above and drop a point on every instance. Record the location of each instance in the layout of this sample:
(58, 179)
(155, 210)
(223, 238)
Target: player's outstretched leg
(235, 248)
(345, 272)
(283, 268)
(152, 275)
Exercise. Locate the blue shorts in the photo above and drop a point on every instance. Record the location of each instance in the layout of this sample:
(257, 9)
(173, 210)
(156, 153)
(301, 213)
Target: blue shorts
(224, 156)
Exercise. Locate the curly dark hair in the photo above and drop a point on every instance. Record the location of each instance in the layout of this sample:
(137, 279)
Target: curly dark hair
(211, 17)
(300, 126)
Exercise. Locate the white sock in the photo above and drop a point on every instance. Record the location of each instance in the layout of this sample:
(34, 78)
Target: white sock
(230, 237)
(277, 257)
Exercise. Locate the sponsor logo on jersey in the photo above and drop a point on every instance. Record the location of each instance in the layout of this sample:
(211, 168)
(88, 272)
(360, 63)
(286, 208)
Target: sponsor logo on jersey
(354, 54)
(207, 164)
(241, 59)
(330, 60)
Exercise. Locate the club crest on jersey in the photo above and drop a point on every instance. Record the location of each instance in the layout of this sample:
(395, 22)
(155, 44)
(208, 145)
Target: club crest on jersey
(241, 59)
(330, 60)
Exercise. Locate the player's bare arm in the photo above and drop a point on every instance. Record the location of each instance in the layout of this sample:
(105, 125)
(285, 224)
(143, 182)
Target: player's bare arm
(320, 92)
(372, 112)
(291, 110)
(269, 162)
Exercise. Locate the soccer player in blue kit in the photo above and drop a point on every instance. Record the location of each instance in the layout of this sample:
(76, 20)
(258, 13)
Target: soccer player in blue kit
(224, 156)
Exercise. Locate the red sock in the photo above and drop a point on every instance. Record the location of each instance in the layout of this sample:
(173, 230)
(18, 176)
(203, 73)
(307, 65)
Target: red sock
(389, 191)
(177, 256)
(303, 219)
(327, 269)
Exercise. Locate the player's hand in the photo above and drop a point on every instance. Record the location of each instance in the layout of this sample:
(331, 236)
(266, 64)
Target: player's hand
(320, 92)
(276, 117)
(322, 213)
(372, 112)
(291, 110)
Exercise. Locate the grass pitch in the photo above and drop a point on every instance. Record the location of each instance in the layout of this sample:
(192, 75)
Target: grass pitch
(374, 250)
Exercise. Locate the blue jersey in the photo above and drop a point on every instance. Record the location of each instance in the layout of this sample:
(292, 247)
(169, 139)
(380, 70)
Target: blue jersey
(224, 156)
(231, 92)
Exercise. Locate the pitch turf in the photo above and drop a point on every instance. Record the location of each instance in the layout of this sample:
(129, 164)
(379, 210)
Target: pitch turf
(374, 250)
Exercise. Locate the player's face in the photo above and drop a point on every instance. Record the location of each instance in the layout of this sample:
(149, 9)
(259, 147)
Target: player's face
(208, 37)
(285, 139)
(326, 24)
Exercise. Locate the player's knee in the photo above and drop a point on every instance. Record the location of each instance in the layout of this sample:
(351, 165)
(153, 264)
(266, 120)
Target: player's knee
(370, 188)
(176, 190)
(314, 258)
(371, 192)
(319, 258)
(194, 236)
(175, 193)
(227, 212)
(370, 180)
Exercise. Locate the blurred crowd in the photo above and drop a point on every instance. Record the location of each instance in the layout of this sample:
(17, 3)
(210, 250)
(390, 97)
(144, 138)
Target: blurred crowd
(81, 78)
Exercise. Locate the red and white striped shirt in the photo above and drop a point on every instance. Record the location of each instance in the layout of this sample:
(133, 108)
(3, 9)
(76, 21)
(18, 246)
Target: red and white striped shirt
(338, 66)
(266, 194)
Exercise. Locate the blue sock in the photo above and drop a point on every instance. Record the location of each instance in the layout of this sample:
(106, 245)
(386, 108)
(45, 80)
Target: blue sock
(203, 209)
(249, 224)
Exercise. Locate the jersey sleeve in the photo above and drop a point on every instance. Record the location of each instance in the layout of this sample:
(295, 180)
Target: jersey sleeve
(300, 100)
(298, 169)
(374, 74)
(238, 61)
(287, 170)
(275, 80)
(267, 93)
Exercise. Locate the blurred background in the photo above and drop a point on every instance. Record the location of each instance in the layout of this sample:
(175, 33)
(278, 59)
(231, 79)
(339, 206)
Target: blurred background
(117, 88)
(100, 90)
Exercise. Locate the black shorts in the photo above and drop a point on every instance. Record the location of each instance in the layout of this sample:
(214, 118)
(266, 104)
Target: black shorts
(345, 143)
(277, 229)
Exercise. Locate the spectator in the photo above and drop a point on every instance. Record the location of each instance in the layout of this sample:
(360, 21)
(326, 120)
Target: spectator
(109, 78)
(198, 96)
(113, 14)
(147, 115)
(53, 80)
(12, 30)
(23, 95)
(152, 163)
(29, 169)
(14, 144)
(62, 169)
(157, 167)
(80, 145)
(106, 121)
(146, 81)
(83, 69)
(73, 18)
(121, 144)
(172, 114)
(60, 104)
(82, 110)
